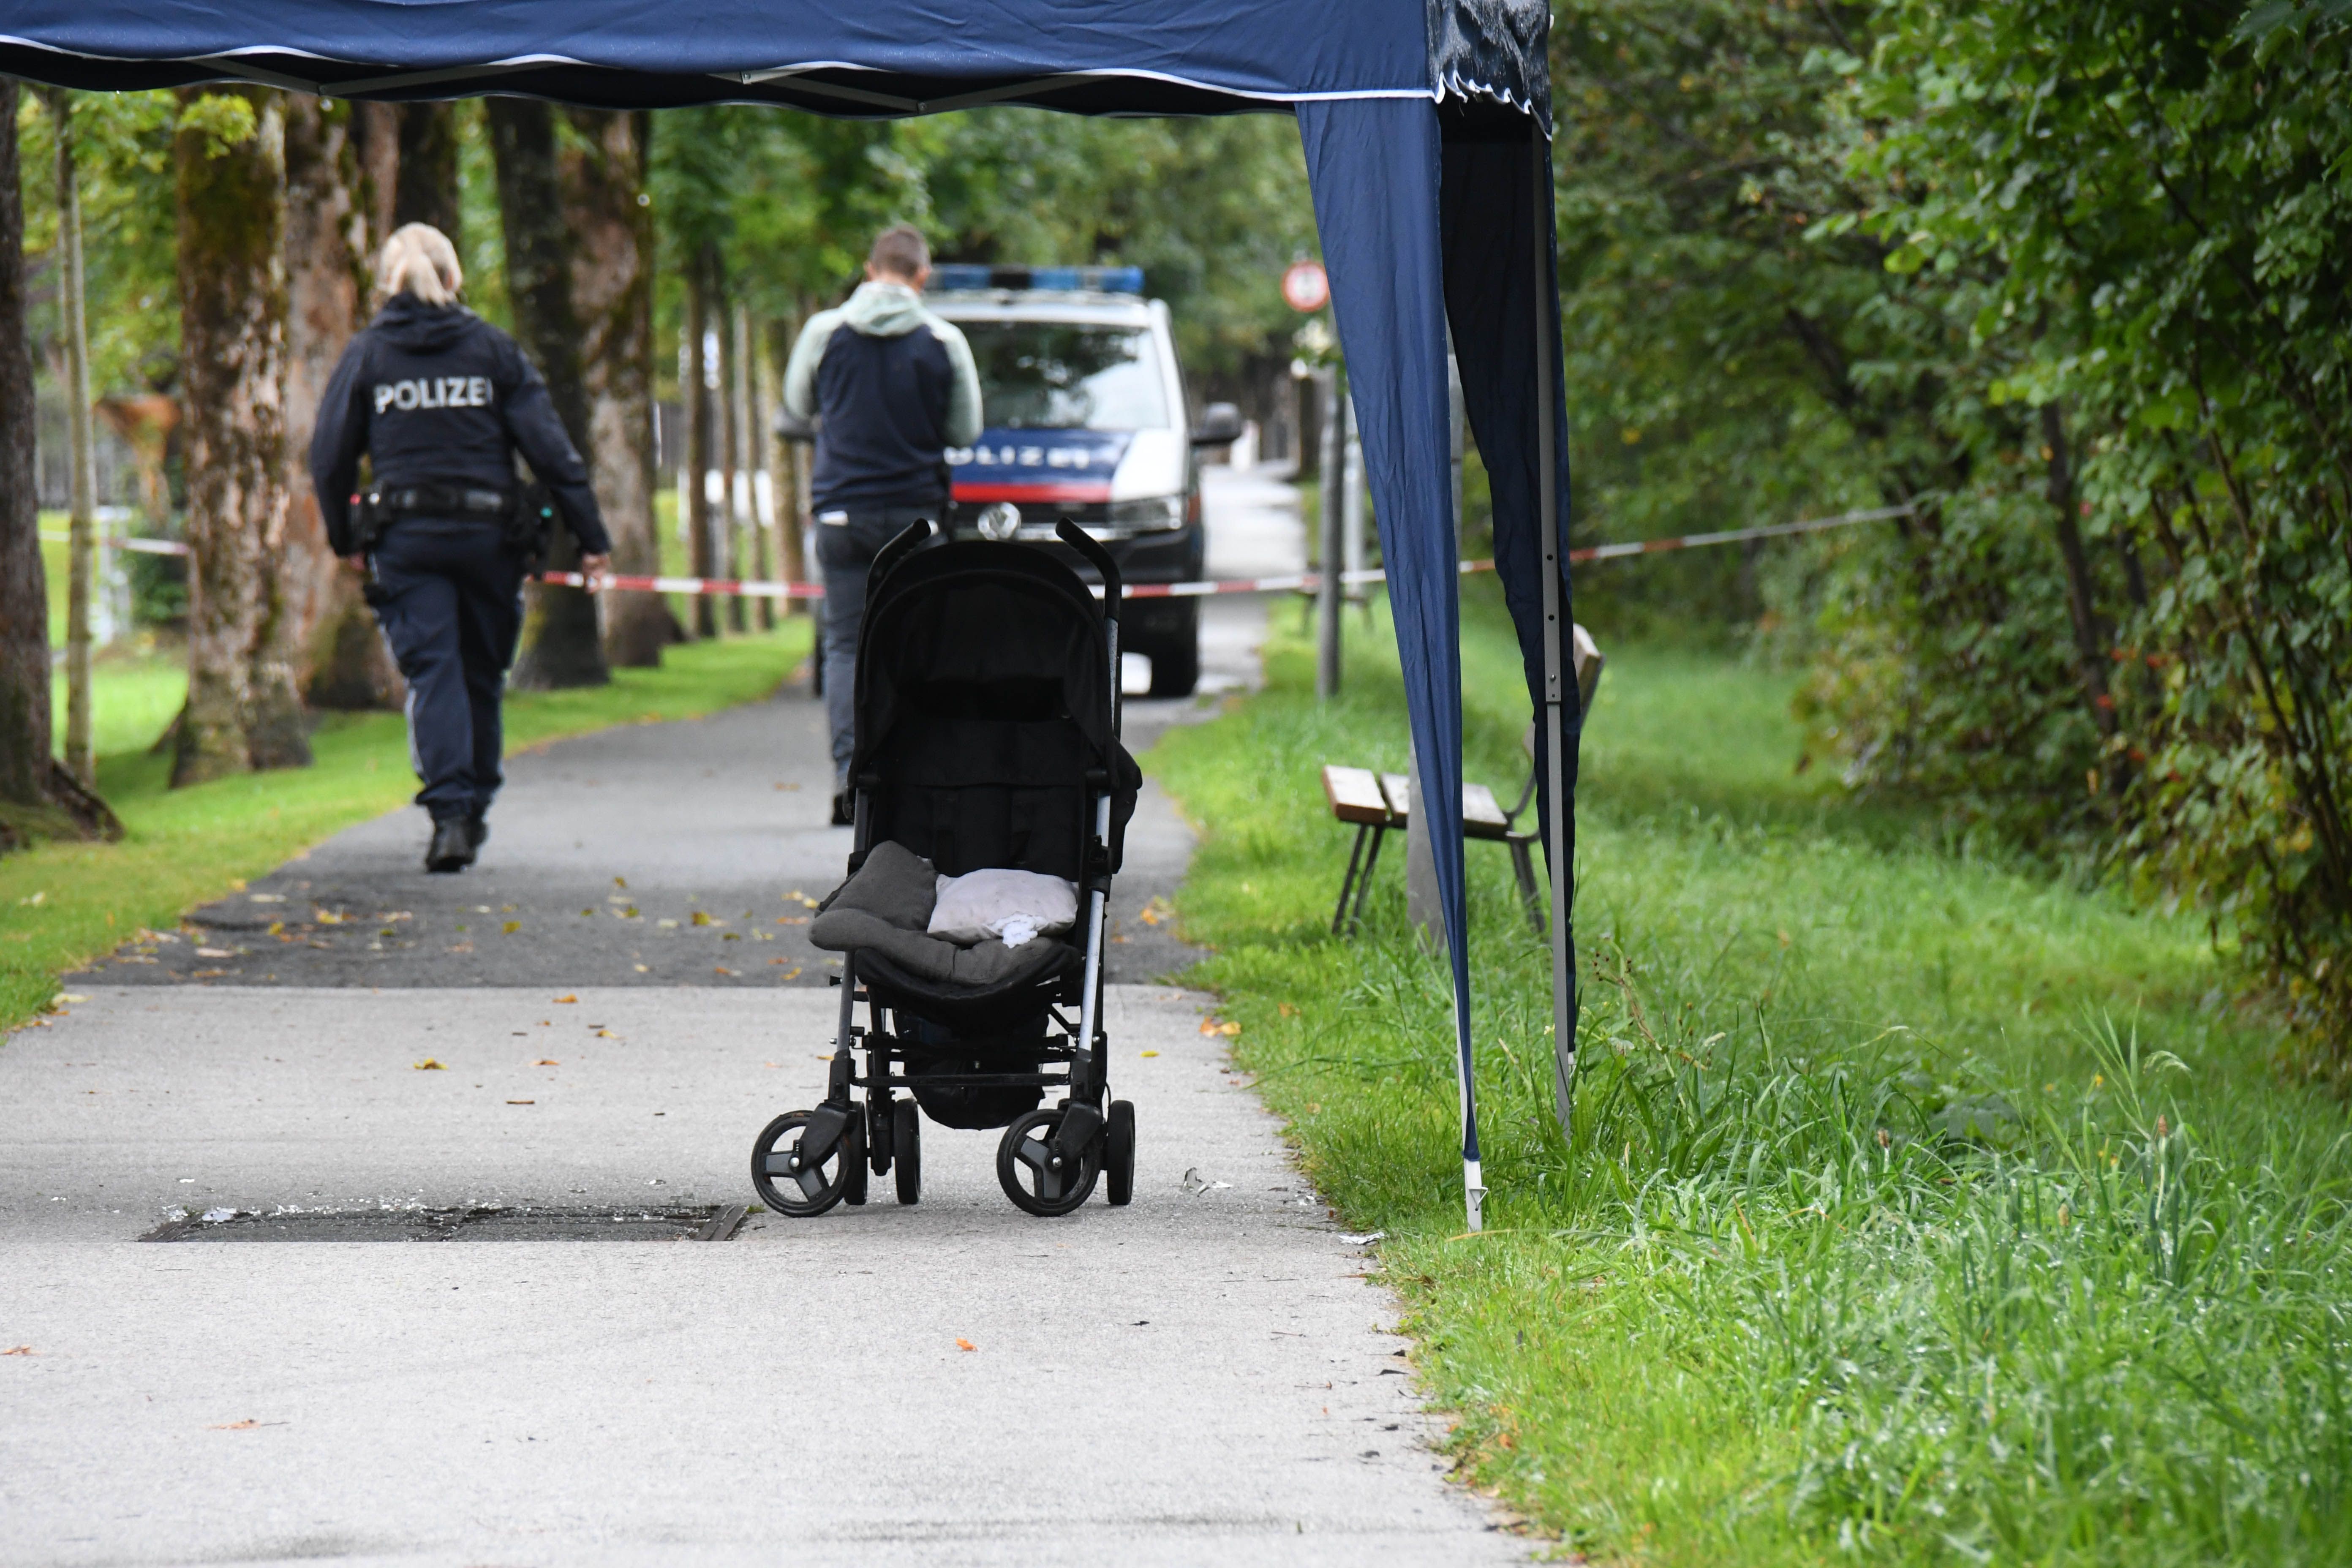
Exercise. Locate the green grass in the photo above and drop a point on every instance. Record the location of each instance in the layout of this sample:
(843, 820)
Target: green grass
(1917, 1209)
(61, 904)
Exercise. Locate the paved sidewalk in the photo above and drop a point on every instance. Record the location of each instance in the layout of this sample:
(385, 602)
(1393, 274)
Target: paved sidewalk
(1202, 1377)
(1209, 1375)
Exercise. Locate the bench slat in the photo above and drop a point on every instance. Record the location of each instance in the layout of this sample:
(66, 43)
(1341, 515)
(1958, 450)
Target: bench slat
(1482, 817)
(1355, 796)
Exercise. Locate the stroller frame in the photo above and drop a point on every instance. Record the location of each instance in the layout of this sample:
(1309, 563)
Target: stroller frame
(1049, 1158)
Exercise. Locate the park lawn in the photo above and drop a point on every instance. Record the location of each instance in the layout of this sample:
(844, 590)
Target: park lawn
(62, 904)
(1920, 1208)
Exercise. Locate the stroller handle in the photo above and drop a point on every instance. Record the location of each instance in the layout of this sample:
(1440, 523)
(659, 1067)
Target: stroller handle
(901, 545)
(1079, 540)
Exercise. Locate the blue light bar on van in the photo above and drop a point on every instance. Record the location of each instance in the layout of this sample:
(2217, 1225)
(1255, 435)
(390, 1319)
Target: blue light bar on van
(960, 276)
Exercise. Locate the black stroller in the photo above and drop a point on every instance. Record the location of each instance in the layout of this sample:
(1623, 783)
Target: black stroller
(988, 721)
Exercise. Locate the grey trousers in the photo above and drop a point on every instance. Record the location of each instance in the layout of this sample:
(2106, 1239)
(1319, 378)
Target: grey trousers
(845, 554)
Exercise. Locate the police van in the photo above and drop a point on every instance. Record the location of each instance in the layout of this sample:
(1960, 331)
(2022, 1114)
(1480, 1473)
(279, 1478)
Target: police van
(1086, 419)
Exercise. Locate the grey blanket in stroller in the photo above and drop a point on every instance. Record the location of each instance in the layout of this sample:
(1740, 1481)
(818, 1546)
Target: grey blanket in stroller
(886, 908)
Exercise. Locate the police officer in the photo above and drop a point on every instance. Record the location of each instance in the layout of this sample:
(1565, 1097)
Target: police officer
(895, 386)
(440, 401)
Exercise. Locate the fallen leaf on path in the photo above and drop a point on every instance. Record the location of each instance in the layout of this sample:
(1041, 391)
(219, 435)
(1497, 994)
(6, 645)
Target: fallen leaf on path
(567, 996)
(248, 1424)
(606, 1035)
(215, 953)
(522, 1102)
(723, 969)
(638, 967)
(430, 1064)
(547, 1062)
(666, 925)
(1208, 1025)
(511, 927)
(267, 897)
(792, 920)
(966, 1345)
(64, 997)
(620, 881)
(1152, 1053)
(18, 1349)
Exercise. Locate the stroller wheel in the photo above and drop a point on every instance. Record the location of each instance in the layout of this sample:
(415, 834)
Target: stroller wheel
(1035, 1176)
(854, 1173)
(907, 1150)
(806, 1191)
(1118, 1152)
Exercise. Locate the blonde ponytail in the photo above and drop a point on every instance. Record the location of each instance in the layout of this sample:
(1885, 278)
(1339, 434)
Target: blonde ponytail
(419, 259)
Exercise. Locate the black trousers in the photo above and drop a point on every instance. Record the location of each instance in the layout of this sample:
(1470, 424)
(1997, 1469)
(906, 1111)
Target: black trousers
(449, 594)
(844, 552)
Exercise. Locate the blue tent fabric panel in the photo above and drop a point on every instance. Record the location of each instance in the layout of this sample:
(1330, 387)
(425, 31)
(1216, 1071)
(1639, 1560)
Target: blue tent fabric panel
(1490, 279)
(913, 51)
(1374, 166)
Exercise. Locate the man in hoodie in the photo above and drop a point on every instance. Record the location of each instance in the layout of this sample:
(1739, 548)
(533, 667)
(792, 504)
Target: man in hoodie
(440, 401)
(892, 387)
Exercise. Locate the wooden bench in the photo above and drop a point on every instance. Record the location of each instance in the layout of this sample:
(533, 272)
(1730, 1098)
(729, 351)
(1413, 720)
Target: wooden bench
(1378, 803)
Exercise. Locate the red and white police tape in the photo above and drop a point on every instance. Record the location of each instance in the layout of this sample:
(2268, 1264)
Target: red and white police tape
(1291, 582)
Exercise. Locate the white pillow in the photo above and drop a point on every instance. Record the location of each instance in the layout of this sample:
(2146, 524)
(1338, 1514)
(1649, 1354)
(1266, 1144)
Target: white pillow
(1012, 906)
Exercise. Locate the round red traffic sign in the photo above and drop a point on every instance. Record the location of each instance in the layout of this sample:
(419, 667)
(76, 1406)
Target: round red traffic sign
(1305, 286)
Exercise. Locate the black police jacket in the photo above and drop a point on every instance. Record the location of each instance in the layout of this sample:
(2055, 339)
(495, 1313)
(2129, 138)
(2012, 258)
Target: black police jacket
(436, 395)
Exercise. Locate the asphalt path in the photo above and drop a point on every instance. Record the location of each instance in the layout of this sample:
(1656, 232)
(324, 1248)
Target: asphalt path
(1211, 1374)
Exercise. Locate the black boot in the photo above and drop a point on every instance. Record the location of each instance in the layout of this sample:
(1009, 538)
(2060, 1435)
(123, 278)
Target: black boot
(453, 846)
(478, 830)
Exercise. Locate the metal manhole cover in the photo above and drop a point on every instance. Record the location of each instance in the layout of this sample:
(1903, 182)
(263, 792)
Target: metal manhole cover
(524, 1221)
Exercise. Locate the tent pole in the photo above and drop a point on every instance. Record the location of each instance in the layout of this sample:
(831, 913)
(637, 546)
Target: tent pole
(1563, 1037)
(1331, 478)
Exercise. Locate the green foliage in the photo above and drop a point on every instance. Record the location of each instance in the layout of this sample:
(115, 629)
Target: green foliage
(2161, 210)
(123, 168)
(1919, 1209)
(1212, 209)
(2070, 283)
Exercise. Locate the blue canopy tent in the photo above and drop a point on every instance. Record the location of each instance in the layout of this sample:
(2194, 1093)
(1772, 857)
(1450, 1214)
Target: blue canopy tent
(1425, 125)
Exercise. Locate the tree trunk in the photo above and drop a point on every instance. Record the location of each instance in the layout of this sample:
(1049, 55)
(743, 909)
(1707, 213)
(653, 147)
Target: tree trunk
(375, 151)
(81, 760)
(733, 457)
(560, 642)
(329, 237)
(604, 174)
(427, 179)
(23, 584)
(243, 711)
(2082, 608)
(702, 434)
(747, 386)
(789, 460)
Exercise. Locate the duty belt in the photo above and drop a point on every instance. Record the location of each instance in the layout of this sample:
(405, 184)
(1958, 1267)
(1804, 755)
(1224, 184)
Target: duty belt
(442, 500)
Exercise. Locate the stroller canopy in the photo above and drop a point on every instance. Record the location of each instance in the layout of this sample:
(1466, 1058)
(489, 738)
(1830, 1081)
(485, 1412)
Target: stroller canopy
(1424, 124)
(983, 701)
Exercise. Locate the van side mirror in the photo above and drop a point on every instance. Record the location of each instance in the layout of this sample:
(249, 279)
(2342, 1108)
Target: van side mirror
(1220, 425)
